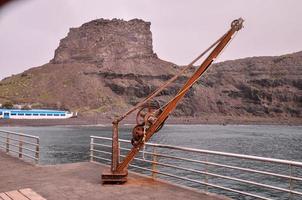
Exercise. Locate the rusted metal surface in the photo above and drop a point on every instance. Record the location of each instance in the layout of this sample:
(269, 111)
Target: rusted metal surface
(115, 148)
(150, 120)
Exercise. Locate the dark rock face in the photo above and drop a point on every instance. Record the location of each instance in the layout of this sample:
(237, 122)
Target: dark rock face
(107, 66)
(260, 86)
(101, 41)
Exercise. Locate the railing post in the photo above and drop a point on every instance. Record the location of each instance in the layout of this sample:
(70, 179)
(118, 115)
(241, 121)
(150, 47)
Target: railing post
(115, 151)
(206, 178)
(20, 146)
(37, 150)
(7, 142)
(154, 165)
(290, 181)
(91, 149)
(119, 152)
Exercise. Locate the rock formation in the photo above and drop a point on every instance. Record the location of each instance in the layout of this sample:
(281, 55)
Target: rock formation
(107, 66)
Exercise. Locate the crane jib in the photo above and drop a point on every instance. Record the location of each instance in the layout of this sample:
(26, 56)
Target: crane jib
(151, 116)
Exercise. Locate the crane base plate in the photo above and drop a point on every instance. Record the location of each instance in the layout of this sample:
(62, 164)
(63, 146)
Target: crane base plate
(109, 177)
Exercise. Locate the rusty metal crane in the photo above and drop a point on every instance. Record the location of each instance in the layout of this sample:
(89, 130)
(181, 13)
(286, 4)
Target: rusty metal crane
(151, 116)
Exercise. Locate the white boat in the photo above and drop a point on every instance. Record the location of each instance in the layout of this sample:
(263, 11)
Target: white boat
(34, 114)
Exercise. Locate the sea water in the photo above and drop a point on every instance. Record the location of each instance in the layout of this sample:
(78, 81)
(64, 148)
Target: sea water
(65, 144)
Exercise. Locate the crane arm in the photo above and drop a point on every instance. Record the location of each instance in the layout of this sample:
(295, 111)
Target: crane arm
(156, 119)
(236, 26)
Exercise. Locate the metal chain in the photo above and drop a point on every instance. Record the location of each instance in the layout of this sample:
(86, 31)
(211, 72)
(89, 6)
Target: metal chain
(143, 140)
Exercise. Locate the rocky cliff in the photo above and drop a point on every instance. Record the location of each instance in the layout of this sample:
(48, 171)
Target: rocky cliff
(259, 86)
(107, 66)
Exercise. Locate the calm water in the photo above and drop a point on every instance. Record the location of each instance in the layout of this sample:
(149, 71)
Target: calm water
(71, 144)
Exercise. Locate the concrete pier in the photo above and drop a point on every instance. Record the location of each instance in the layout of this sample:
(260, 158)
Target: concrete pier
(82, 181)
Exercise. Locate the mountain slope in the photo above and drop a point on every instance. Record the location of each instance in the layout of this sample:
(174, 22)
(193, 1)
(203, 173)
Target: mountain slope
(107, 66)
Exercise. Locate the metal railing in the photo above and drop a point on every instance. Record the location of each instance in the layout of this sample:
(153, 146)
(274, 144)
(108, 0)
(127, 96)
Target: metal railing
(23, 145)
(248, 176)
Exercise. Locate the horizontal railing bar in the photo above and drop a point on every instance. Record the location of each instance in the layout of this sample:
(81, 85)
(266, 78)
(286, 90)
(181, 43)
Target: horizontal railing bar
(18, 140)
(123, 148)
(221, 176)
(108, 152)
(99, 151)
(273, 160)
(29, 156)
(99, 137)
(14, 139)
(103, 145)
(109, 139)
(29, 143)
(21, 134)
(101, 158)
(201, 182)
(226, 166)
(24, 154)
(31, 150)
(27, 149)
(16, 145)
(3, 136)
(255, 171)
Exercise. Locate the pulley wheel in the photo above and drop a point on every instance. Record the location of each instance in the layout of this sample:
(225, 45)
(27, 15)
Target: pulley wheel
(147, 108)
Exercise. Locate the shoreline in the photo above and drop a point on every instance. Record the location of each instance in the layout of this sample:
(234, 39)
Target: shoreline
(209, 120)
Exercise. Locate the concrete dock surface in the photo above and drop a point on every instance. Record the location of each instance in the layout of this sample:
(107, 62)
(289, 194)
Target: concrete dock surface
(83, 181)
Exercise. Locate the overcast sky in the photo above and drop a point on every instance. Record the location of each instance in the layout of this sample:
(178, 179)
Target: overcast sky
(30, 30)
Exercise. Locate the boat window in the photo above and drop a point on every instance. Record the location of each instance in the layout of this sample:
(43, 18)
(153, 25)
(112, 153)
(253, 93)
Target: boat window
(0, 113)
(56, 115)
(62, 114)
(21, 114)
(42, 114)
(35, 114)
(13, 114)
(49, 114)
(28, 114)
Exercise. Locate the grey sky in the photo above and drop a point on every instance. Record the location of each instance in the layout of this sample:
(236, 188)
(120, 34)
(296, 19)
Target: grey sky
(30, 30)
